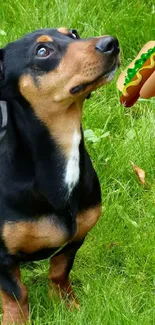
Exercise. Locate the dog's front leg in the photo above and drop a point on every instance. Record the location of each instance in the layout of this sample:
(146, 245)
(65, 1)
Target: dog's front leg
(61, 264)
(15, 308)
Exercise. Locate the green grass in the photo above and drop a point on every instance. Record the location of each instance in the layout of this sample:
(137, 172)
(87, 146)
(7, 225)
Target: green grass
(114, 272)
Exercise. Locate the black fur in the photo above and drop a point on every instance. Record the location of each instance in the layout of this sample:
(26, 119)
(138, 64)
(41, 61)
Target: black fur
(30, 181)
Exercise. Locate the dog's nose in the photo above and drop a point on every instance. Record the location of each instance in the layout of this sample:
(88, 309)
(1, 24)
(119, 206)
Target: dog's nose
(108, 45)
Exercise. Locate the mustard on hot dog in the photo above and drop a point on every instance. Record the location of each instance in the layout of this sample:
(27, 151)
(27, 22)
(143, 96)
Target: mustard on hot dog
(139, 77)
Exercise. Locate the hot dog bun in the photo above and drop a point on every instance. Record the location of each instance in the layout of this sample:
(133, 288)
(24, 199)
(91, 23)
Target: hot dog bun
(143, 82)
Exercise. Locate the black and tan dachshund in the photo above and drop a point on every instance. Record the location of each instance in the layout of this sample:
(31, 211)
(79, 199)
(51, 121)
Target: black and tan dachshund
(49, 192)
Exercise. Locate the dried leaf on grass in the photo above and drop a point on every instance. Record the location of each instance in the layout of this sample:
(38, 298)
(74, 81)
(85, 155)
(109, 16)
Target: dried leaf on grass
(139, 172)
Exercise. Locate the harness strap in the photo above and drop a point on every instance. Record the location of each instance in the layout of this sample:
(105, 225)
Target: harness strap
(4, 118)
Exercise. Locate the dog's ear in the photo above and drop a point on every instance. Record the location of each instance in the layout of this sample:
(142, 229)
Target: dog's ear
(1, 64)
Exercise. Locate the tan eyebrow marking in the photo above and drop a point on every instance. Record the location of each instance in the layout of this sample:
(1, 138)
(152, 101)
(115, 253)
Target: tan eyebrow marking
(63, 30)
(44, 38)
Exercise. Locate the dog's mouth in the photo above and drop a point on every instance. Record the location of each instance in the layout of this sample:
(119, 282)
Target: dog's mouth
(106, 76)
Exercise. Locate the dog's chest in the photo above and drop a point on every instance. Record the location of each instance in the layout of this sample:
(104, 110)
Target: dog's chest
(72, 171)
(29, 237)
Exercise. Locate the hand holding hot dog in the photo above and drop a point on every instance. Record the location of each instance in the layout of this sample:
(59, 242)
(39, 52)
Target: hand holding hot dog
(138, 79)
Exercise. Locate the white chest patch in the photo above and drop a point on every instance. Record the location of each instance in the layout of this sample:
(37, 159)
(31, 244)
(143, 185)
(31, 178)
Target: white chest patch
(72, 168)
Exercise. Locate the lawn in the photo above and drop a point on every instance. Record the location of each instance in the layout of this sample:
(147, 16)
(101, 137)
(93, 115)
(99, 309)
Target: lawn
(114, 271)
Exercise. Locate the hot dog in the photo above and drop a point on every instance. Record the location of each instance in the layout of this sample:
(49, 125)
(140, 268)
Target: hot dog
(139, 78)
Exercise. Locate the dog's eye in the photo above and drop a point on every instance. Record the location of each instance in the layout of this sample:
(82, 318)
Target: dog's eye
(74, 34)
(43, 52)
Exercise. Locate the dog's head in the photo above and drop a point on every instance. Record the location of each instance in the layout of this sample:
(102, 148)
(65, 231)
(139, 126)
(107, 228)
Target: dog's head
(56, 66)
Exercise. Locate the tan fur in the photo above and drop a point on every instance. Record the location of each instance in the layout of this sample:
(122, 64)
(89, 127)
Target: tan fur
(59, 280)
(15, 312)
(44, 38)
(58, 273)
(86, 220)
(28, 237)
(61, 119)
(52, 101)
(63, 30)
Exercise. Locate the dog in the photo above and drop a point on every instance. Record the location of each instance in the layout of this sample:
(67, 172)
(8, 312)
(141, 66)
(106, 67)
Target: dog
(49, 192)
